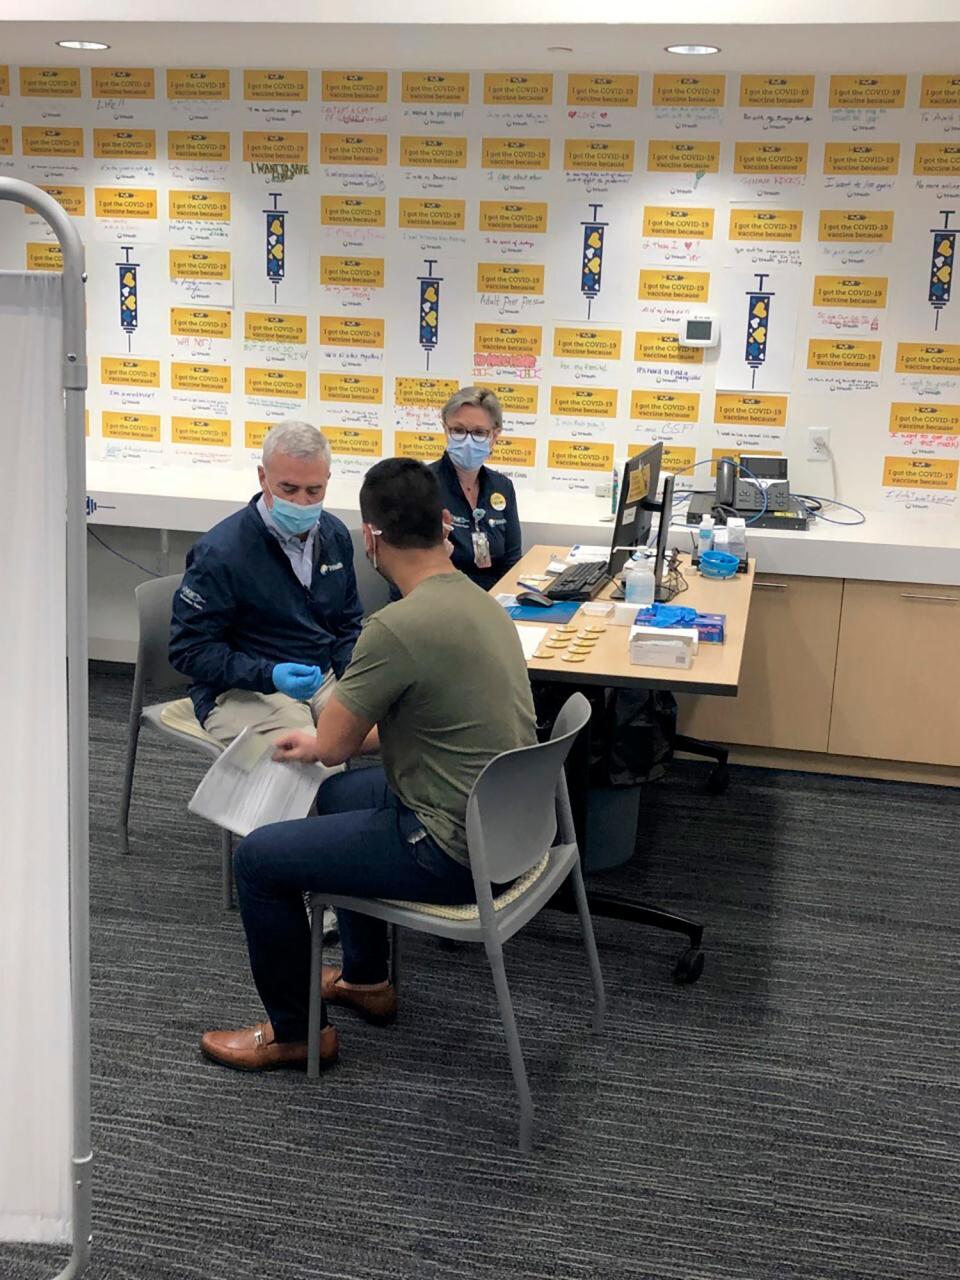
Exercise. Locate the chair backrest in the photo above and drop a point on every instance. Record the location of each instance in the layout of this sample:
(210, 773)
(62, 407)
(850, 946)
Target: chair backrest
(154, 602)
(512, 810)
(373, 590)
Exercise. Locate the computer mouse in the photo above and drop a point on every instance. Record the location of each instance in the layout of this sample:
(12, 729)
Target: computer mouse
(536, 598)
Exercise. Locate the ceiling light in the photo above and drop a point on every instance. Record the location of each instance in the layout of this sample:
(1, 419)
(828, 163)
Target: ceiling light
(82, 44)
(559, 48)
(693, 48)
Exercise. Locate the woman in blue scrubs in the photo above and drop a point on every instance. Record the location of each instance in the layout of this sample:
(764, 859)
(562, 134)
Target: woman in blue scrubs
(482, 503)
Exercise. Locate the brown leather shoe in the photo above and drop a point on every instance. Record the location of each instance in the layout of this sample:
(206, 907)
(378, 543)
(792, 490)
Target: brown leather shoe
(254, 1049)
(378, 1007)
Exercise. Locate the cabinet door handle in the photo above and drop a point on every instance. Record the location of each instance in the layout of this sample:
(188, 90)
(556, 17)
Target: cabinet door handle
(770, 586)
(916, 595)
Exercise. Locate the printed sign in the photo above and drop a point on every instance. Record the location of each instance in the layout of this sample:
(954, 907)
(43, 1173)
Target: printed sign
(131, 426)
(201, 379)
(867, 91)
(665, 406)
(920, 473)
(199, 206)
(424, 446)
(509, 277)
(674, 286)
(861, 157)
(353, 148)
(848, 354)
(664, 222)
(200, 323)
(587, 344)
(518, 89)
(514, 397)
(440, 215)
(577, 455)
(129, 371)
(683, 156)
(435, 86)
(513, 217)
(358, 442)
(6, 140)
(770, 157)
(602, 91)
(201, 83)
(355, 273)
(115, 202)
(925, 419)
(850, 291)
(354, 86)
(936, 159)
(585, 155)
(49, 82)
(254, 432)
(766, 224)
(424, 393)
(44, 256)
(125, 144)
(351, 331)
(664, 348)
(189, 144)
(583, 402)
(275, 86)
(282, 384)
(200, 431)
(121, 82)
(508, 339)
(514, 451)
(749, 410)
(352, 211)
(776, 91)
(72, 200)
(351, 388)
(940, 91)
(515, 153)
(275, 148)
(274, 326)
(932, 358)
(38, 140)
(688, 91)
(433, 153)
(856, 225)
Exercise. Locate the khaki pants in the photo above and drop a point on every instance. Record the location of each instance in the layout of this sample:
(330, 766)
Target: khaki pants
(270, 714)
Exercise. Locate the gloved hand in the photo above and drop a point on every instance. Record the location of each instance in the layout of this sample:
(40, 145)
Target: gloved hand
(296, 680)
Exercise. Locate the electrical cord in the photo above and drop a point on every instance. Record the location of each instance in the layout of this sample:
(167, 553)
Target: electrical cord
(120, 556)
(810, 499)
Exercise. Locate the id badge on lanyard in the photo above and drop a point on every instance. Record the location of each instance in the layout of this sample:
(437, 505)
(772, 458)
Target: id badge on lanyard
(481, 543)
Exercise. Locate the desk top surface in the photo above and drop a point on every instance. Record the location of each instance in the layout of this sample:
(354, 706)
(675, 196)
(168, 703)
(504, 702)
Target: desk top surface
(715, 669)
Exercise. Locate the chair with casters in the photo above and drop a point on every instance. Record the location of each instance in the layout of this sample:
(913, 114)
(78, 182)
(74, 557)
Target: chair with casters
(175, 719)
(519, 830)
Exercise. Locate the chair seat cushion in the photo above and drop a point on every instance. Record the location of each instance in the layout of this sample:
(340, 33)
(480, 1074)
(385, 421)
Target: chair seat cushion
(179, 717)
(470, 910)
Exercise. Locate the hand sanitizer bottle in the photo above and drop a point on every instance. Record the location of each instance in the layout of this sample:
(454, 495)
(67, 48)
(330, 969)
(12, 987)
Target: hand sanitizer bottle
(705, 534)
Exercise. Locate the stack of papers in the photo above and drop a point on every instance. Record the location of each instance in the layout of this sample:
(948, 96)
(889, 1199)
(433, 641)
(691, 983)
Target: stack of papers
(246, 788)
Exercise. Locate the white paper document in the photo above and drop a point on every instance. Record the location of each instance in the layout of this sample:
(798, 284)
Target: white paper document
(530, 636)
(246, 788)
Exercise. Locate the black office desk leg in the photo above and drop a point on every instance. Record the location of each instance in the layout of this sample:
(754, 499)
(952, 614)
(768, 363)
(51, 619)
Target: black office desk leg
(612, 906)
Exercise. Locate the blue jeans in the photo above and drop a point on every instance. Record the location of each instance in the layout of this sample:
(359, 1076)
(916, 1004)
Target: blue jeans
(362, 843)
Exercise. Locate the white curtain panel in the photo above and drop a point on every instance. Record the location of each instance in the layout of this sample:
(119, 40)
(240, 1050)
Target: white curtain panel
(35, 1060)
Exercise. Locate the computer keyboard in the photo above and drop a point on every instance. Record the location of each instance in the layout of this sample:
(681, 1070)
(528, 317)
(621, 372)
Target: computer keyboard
(579, 581)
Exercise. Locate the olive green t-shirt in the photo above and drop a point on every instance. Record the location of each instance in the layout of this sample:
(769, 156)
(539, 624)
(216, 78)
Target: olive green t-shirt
(443, 674)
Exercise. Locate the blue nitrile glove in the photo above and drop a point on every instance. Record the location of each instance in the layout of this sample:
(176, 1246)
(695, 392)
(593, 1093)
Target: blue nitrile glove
(297, 680)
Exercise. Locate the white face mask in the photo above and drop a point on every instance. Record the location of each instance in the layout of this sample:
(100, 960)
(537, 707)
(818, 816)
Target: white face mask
(372, 549)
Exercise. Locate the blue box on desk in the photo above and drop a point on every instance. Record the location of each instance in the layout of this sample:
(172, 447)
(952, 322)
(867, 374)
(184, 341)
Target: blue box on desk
(711, 627)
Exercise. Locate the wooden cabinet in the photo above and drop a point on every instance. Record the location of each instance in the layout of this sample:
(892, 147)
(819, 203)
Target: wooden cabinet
(787, 677)
(897, 687)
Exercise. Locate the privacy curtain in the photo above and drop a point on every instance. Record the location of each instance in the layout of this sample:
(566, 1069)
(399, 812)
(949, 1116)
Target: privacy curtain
(35, 1041)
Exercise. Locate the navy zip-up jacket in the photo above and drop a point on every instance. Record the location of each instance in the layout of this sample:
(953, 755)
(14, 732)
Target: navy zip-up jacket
(241, 609)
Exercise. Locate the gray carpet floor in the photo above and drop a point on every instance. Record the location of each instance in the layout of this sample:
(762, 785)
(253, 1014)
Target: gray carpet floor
(793, 1115)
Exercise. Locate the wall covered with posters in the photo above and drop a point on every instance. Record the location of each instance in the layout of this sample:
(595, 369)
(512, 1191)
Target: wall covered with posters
(350, 246)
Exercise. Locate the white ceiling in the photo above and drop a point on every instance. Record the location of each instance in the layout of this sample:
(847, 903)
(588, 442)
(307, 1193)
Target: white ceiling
(864, 45)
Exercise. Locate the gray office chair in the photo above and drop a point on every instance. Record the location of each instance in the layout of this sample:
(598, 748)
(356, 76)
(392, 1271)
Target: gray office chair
(174, 719)
(517, 807)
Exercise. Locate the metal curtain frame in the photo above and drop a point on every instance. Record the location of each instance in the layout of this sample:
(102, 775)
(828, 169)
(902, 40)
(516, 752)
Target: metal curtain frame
(74, 381)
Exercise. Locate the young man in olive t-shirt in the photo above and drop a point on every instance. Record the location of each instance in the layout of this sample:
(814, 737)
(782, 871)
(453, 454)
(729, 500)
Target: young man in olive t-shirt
(439, 685)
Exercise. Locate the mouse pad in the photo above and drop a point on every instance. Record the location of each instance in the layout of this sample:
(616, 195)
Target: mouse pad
(561, 611)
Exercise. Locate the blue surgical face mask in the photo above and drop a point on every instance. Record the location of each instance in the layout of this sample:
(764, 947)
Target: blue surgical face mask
(469, 454)
(292, 519)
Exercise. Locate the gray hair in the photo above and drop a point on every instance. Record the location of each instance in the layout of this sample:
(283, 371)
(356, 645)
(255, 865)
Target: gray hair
(296, 440)
(479, 398)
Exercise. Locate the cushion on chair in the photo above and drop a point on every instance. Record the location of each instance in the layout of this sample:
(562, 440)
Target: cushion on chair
(470, 910)
(180, 717)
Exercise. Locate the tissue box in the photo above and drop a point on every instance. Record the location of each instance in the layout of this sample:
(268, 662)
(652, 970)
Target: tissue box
(710, 627)
(663, 646)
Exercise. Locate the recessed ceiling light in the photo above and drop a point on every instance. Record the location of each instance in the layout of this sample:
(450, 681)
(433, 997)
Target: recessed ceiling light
(82, 44)
(693, 48)
(559, 48)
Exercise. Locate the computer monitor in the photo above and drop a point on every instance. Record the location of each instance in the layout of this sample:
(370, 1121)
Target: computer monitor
(638, 501)
(663, 592)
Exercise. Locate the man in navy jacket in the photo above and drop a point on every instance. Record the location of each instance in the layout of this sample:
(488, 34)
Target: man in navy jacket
(267, 614)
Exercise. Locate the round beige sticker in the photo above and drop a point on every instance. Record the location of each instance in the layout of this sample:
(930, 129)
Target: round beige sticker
(498, 501)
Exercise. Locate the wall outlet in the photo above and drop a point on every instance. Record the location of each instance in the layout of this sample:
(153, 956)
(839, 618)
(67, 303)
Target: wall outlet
(604, 490)
(818, 444)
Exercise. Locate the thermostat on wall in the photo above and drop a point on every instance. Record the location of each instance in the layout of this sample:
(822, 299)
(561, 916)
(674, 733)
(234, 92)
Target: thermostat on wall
(700, 330)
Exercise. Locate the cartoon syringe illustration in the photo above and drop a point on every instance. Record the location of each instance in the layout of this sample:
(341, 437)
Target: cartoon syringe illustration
(591, 262)
(758, 326)
(941, 266)
(276, 242)
(129, 296)
(429, 308)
